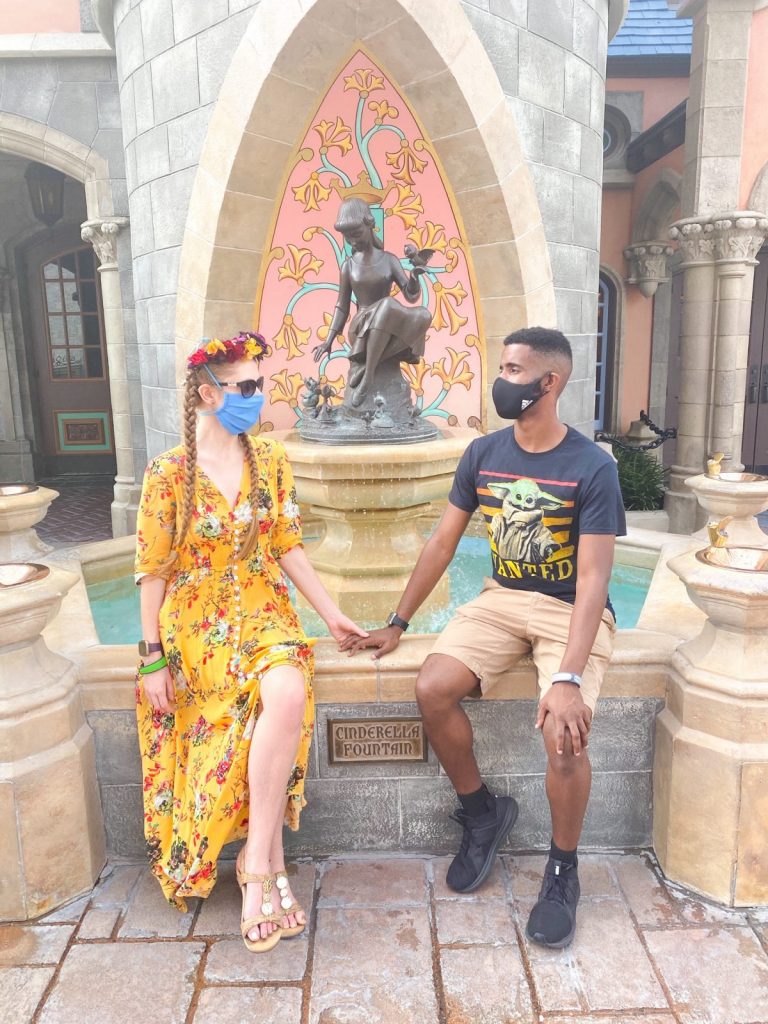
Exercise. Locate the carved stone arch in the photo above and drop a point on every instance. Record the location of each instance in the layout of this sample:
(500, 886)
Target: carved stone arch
(26, 138)
(758, 197)
(656, 211)
(289, 54)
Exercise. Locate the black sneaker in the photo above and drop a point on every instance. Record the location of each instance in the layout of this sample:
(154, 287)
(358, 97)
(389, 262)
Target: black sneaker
(552, 921)
(480, 843)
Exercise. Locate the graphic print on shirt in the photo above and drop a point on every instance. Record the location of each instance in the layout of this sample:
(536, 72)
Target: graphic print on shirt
(529, 525)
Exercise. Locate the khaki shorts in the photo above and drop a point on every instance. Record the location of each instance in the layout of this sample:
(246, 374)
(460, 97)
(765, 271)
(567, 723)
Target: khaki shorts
(492, 632)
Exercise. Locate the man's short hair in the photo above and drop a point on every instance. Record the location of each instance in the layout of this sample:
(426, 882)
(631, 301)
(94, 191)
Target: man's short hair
(545, 340)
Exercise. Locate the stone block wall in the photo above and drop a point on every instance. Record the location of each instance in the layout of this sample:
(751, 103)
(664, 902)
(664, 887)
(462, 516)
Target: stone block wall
(172, 56)
(405, 806)
(550, 59)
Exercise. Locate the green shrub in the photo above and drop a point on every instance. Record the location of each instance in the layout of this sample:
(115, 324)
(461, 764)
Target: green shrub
(641, 478)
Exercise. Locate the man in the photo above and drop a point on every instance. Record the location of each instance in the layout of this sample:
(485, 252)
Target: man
(553, 509)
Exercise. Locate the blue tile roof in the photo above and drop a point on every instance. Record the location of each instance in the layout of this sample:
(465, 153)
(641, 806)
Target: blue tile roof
(650, 28)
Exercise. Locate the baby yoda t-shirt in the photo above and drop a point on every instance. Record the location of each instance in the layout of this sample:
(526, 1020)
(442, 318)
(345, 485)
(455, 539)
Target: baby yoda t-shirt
(537, 505)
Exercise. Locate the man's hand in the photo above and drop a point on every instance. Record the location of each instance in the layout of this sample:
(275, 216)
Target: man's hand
(569, 713)
(384, 640)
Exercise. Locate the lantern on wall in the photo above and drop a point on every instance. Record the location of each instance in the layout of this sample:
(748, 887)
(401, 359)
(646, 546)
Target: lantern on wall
(46, 192)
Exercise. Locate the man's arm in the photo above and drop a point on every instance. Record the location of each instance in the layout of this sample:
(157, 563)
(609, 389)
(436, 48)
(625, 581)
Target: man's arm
(563, 700)
(432, 563)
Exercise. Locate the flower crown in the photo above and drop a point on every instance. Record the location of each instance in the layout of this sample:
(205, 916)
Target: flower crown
(245, 345)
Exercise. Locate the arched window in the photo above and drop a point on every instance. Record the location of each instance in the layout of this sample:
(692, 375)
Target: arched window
(606, 319)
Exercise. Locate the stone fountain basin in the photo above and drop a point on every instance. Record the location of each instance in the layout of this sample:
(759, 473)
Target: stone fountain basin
(30, 596)
(14, 574)
(742, 559)
(23, 506)
(731, 494)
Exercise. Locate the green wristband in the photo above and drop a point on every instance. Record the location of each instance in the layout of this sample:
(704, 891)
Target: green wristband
(145, 670)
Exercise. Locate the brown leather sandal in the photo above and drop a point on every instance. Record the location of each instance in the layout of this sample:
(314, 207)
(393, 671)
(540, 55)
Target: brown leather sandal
(267, 915)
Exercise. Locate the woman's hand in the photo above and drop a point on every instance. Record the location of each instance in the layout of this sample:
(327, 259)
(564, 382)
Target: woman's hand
(160, 691)
(341, 628)
(383, 640)
(323, 350)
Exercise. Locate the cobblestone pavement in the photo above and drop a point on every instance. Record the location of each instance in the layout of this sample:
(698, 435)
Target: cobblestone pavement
(81, 513)
(388, 942)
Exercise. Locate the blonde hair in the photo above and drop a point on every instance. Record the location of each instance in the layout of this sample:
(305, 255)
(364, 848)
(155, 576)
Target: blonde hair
(189, 426)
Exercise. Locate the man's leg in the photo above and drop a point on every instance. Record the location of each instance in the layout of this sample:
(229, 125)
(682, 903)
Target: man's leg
(441, 685)
(568, 783)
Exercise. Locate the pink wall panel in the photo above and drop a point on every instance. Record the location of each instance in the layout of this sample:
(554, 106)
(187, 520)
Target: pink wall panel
(364, 136)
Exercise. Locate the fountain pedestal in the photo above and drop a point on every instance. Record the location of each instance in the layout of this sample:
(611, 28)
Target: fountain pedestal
(370, 500)
(710, 774)
(22, 506)
(52, 838)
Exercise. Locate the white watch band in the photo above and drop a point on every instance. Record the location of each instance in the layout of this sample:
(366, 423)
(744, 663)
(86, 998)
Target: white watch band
(566, 677)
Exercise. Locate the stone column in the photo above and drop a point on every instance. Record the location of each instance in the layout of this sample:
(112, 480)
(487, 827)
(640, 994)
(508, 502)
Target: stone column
(695, 238)
(102, 234)
(738, 237)
(647, 265)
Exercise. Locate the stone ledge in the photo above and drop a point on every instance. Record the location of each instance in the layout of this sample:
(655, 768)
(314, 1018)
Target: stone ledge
(54, 44)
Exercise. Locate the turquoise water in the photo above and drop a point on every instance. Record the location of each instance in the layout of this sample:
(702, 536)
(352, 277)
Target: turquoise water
(115, 603)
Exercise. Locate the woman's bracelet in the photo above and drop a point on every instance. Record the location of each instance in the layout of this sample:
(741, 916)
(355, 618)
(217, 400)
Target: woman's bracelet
(155, 666)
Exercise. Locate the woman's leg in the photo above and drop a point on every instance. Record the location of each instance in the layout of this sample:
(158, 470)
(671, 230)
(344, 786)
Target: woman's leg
(272, 755)
(376, 346)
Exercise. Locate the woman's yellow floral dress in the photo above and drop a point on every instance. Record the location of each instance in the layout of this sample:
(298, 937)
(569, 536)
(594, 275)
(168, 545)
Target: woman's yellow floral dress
(223, 623)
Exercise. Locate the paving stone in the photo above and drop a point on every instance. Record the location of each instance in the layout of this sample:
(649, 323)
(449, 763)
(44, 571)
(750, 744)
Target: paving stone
(623, 1018)
(21, 989)
(33, 944)
(606, 964)
(485, 985)
(476, 922)
(68, 914)
(265, 1005)
(367, 883)
(146, 981)
(115, 888)
(714, 975)
(698, 911)
(99, 923)
(379, 959)
(150, 916)
(229, 961)
(492, 889)
(646, 895)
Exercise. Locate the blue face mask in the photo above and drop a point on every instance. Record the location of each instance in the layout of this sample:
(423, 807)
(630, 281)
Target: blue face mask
(236, 413)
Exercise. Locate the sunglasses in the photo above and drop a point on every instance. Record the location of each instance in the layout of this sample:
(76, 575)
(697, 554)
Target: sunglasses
(248, 388)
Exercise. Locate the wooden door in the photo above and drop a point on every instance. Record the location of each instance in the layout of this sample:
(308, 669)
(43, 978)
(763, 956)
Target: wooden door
(754, 451)
(67, 357)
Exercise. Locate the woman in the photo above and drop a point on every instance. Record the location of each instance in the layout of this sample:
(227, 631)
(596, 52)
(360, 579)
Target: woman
(382, 328)
(225, 704)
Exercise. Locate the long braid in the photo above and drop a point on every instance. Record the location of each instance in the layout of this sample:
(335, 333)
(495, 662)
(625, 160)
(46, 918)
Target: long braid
(248, 542)
(189, 424)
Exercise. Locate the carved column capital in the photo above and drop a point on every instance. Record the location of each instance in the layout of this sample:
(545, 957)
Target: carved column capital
(102, 234)
(739, 236)
(647, 265)
(695, 237)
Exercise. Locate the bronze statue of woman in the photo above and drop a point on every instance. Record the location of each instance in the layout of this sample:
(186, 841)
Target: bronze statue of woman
(382, 328)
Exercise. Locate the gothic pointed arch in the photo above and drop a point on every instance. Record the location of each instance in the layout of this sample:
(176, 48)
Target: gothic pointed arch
(288, 58)
(657, 210)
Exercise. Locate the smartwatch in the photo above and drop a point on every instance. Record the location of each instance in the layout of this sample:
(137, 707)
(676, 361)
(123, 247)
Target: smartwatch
(146, 648)
(395, 620)
(566, 677)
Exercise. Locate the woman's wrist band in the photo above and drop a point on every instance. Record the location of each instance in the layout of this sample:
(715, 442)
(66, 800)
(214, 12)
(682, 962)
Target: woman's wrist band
(154, 666)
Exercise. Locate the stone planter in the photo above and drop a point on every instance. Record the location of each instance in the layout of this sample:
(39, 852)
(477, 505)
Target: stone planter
(22, 506)
(52, 840)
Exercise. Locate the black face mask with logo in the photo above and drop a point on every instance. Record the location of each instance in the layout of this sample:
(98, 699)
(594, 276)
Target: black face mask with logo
(511, 400)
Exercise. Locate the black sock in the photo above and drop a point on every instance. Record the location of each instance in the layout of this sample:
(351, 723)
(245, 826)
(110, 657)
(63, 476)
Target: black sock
(566, 856)
(477, 803)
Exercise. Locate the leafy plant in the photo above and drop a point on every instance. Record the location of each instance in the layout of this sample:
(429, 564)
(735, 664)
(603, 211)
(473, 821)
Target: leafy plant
(641, 478)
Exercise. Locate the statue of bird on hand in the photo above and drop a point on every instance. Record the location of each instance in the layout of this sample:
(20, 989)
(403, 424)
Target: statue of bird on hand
(419, 257)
